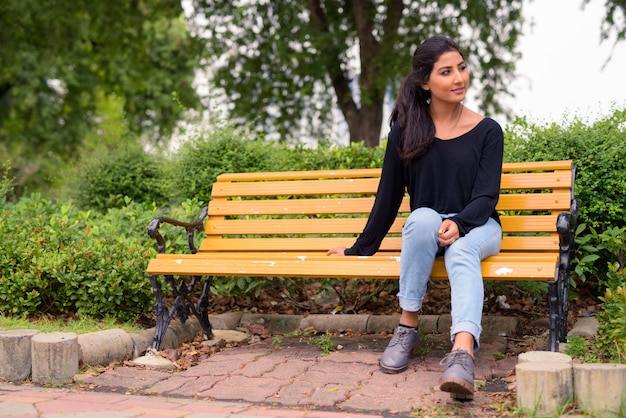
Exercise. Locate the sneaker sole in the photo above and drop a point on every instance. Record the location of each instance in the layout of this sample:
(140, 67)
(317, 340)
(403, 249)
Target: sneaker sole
(392, 370)
(458, 388)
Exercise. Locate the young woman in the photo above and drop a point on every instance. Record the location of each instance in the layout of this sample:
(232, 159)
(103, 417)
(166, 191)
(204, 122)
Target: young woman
(448, 158)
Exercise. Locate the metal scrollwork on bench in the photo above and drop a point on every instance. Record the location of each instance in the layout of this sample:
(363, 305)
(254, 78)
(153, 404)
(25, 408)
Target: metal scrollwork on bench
(558, 290)
(181, 290)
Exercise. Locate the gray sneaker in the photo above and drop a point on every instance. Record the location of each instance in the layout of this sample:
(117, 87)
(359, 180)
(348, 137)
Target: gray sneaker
(458, 379)
(396, 356)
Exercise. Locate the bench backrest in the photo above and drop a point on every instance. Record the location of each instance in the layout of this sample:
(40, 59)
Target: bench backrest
(312, 211)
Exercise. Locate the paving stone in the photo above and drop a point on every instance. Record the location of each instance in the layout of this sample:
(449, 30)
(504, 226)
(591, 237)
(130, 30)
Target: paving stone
(245, 389)
(295, 392)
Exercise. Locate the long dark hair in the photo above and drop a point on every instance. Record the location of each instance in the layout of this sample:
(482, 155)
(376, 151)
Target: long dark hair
(411, 108)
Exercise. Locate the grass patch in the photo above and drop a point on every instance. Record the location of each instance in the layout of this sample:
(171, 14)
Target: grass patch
(81, 325)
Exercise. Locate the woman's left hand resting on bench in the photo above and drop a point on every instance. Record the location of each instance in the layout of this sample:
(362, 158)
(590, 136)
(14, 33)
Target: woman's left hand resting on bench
(337, 251)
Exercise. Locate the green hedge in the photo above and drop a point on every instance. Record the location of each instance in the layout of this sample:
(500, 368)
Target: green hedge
(597, 149)
(56, 259)
(107, 180)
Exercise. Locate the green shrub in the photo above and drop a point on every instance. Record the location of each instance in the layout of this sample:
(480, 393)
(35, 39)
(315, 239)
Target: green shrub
(612, 328)
(597, 150)
(6, 183)
(229, 150)
(130, 172)
(57, 259)
(225, 150)
(331, 157)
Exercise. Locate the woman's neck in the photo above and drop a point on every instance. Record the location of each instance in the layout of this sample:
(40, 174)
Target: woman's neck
(447, 115)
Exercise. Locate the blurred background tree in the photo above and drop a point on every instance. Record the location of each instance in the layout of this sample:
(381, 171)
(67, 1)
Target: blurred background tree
(63, 61)
(287, 63)
(80, 78)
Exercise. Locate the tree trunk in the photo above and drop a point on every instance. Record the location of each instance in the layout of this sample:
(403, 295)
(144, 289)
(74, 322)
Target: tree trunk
(365, 124)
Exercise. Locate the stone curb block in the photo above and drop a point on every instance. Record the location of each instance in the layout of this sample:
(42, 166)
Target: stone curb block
(277, 324)
(229, 320)
(339, 323)
(54, 357)
(543, 357)
(601, 388)
(585, 327)
(15, 354)
(544, 387)
(548, 380)
(102, 347)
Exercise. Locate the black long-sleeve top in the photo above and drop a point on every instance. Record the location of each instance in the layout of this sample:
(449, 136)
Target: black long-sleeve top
(456, 176)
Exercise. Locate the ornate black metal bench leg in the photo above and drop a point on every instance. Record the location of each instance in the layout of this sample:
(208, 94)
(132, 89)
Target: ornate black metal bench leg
(203, 308)
(161, 312)
(555, 312)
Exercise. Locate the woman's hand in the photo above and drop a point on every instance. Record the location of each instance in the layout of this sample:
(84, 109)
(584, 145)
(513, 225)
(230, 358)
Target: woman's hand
(448, 233)
(337, 251)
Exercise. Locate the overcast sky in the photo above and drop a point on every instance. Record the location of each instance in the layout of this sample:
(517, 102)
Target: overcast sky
(561, 68)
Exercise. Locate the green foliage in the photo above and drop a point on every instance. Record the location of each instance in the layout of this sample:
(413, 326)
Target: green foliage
(296, 60)
(228, 150)
(6, 184)
(580, 348)
(612, 328)
(80, 325)
(57, 259)
(608, 247)
(225, 150)
(58, 59)
(324, 342)
(331, 157)
(129, 172)
(598, 152)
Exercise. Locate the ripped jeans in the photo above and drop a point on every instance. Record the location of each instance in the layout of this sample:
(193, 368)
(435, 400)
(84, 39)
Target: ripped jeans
(462, 260)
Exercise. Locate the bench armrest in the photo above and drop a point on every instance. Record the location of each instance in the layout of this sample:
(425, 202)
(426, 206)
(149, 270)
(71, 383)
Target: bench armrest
(190, 227)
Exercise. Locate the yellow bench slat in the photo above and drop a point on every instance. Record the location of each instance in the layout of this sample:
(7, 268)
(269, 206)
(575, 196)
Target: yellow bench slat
(300, 187)
(494, 268)
(535, 223)
(209, 244)
(538, 165)
(563, 165)
(530, 201)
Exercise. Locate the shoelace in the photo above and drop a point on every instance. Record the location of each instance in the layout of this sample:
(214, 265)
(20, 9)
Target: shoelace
(401, 337)
(461, 357)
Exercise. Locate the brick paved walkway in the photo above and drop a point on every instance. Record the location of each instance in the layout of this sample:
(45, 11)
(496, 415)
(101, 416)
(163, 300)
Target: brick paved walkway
(292, 379)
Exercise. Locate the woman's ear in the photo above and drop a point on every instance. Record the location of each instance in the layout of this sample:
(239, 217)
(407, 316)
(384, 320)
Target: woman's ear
(425, 85)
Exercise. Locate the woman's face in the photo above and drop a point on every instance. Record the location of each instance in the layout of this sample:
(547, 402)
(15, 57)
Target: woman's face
(449, 78)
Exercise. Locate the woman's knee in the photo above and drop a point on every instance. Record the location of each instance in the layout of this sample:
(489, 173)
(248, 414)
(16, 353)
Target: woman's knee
(423, 218)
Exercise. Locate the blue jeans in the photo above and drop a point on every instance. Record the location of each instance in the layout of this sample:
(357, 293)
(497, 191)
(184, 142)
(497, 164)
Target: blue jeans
(462, 260)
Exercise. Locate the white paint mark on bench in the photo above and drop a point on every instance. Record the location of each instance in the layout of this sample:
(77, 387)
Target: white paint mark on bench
(302, 257)
(503, 271)
(179, 261)
(270, 263)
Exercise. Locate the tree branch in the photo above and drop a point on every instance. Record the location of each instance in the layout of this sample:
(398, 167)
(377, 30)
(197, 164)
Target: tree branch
(341, 83)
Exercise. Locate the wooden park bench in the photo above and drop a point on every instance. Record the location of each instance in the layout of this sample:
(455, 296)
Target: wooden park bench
(282, 224)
